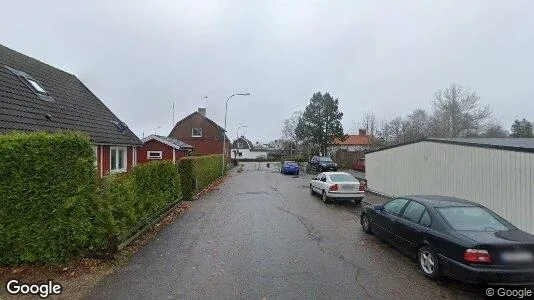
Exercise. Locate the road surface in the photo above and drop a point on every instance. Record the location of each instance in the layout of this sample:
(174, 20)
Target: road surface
(261, 235)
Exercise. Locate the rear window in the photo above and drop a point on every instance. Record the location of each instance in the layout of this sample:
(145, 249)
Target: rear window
(472, 218)
(342, 178)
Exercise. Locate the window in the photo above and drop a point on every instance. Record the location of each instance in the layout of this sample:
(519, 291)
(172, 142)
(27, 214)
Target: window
(154, 154)
(95, 152)
(32, 84)
(118, 159)
(239, 145)
(413, 211)
(37, 86)
(425, 219)
(473, 218)
(342, 178)
(196, 132)
(394, 207)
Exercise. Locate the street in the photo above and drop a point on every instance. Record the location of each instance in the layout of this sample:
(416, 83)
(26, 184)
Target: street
(261, 235)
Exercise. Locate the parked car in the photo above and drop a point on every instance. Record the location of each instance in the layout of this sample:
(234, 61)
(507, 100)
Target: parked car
(360, 165)
(290, 167)
(336, 186)
(454, 237)
(322, 164)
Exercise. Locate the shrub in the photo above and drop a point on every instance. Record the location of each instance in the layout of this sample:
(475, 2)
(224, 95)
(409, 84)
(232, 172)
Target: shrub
(47, 190)
(130, 200)
(198, 172)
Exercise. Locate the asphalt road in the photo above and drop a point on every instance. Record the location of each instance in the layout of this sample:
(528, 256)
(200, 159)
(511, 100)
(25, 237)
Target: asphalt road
(261, 235)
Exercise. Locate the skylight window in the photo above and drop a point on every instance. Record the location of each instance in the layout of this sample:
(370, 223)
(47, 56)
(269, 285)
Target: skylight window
(37, 86)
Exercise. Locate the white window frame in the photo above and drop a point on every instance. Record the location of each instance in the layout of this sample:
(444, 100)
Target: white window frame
(124, 160)
(193, 132)
(158, 153)
(95, 152)
(240, 145)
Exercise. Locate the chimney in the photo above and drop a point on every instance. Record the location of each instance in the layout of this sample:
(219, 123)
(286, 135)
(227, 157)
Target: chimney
(202, 111)
(362, 132)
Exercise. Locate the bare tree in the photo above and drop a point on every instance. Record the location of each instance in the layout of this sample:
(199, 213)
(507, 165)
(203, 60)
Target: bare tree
(416, 125)
(368, 122)
(290, 124)
(457, 113)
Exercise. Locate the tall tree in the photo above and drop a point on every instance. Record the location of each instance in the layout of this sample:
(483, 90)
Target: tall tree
(457, 113)
(494, 130)
(320, 123)
(522, 129)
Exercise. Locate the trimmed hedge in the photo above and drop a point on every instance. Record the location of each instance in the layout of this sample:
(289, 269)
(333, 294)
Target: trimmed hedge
(52, 207)
(130, 200)
(47, 192)
(197, 172)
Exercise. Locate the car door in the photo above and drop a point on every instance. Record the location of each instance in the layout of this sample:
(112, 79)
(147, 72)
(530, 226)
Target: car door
(387, 216)
(408, 230)
(316, 182)
(323, 185)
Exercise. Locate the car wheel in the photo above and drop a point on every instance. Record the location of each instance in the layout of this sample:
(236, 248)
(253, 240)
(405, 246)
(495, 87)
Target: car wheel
(428, 263)
(364, 221)
(298, 173)
(325, 197)
(311, 190)
(358, 201)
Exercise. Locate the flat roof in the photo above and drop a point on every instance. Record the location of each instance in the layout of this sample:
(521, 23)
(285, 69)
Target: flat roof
(510, 144)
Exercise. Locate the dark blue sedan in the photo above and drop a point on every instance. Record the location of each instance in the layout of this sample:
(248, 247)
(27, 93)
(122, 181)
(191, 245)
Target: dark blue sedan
(290, 167)
(455, 238)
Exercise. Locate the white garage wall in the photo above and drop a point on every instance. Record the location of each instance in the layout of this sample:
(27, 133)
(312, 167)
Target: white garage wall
(501, 180)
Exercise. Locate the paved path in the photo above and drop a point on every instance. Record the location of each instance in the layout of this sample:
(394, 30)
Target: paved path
(263, 236)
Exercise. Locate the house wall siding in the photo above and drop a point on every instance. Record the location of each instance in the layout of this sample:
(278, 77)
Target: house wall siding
(498, 179)
(153, 145)
(211, 141)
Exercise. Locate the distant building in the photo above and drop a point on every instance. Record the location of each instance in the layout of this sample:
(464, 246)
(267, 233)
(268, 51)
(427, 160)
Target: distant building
(244, 148)
(203, 134)
(360, 142)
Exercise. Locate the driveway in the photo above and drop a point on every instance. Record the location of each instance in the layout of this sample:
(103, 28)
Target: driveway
(261, 235)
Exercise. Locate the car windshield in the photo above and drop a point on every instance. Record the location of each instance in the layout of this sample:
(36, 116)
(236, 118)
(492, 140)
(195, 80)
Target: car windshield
(325, 159)
(291, 163)
(342, 178)
(472, 218)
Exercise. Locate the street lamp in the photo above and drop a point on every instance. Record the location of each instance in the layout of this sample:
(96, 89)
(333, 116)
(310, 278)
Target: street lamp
(224, 132)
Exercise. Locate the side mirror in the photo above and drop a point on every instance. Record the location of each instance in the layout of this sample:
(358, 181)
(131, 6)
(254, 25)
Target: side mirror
(379, 207)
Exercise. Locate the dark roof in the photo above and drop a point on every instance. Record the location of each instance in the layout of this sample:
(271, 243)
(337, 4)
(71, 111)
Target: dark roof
(72, 107)
(244, 139)
(175, 143)
(511, 144)
(437, 200)
(205, 118)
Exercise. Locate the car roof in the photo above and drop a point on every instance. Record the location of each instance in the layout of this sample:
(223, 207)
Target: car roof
(334, 173)
(440, 201)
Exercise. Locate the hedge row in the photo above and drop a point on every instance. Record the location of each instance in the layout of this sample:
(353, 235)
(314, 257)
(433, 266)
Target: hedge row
(52, 207)
(198, 172)
(47, 191)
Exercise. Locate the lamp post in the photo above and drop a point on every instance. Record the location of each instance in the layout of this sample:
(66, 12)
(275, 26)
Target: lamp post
(224, 132)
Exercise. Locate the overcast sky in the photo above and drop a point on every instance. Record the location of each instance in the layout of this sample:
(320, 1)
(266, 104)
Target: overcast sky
(386, 57)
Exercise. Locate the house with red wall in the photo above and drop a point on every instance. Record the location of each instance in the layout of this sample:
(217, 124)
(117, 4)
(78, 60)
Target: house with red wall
(35, 96)
(202, 133)
(157, 147)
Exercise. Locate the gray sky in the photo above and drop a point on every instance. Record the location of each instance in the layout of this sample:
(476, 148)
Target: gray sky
(387, 57)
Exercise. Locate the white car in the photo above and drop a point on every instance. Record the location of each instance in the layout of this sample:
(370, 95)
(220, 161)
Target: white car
(337, 185)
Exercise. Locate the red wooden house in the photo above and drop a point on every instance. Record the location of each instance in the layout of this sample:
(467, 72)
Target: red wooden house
(202, 133)
(35, 96)
(158, 147)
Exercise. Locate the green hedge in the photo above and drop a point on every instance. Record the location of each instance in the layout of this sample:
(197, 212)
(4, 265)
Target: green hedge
(130, 200)
(47, 193)
(52, 207)
(197, 172)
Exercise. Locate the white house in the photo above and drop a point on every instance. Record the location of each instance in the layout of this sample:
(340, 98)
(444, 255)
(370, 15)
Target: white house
(243, 148)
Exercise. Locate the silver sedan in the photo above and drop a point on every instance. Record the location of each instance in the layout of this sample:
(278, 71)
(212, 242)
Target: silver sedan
(337, 185)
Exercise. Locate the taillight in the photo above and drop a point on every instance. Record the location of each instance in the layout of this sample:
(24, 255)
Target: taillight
(477, 256)
(362, 187)
(334, 188)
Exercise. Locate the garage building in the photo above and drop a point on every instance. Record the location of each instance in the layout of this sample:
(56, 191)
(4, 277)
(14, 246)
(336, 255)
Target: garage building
(497, 173)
